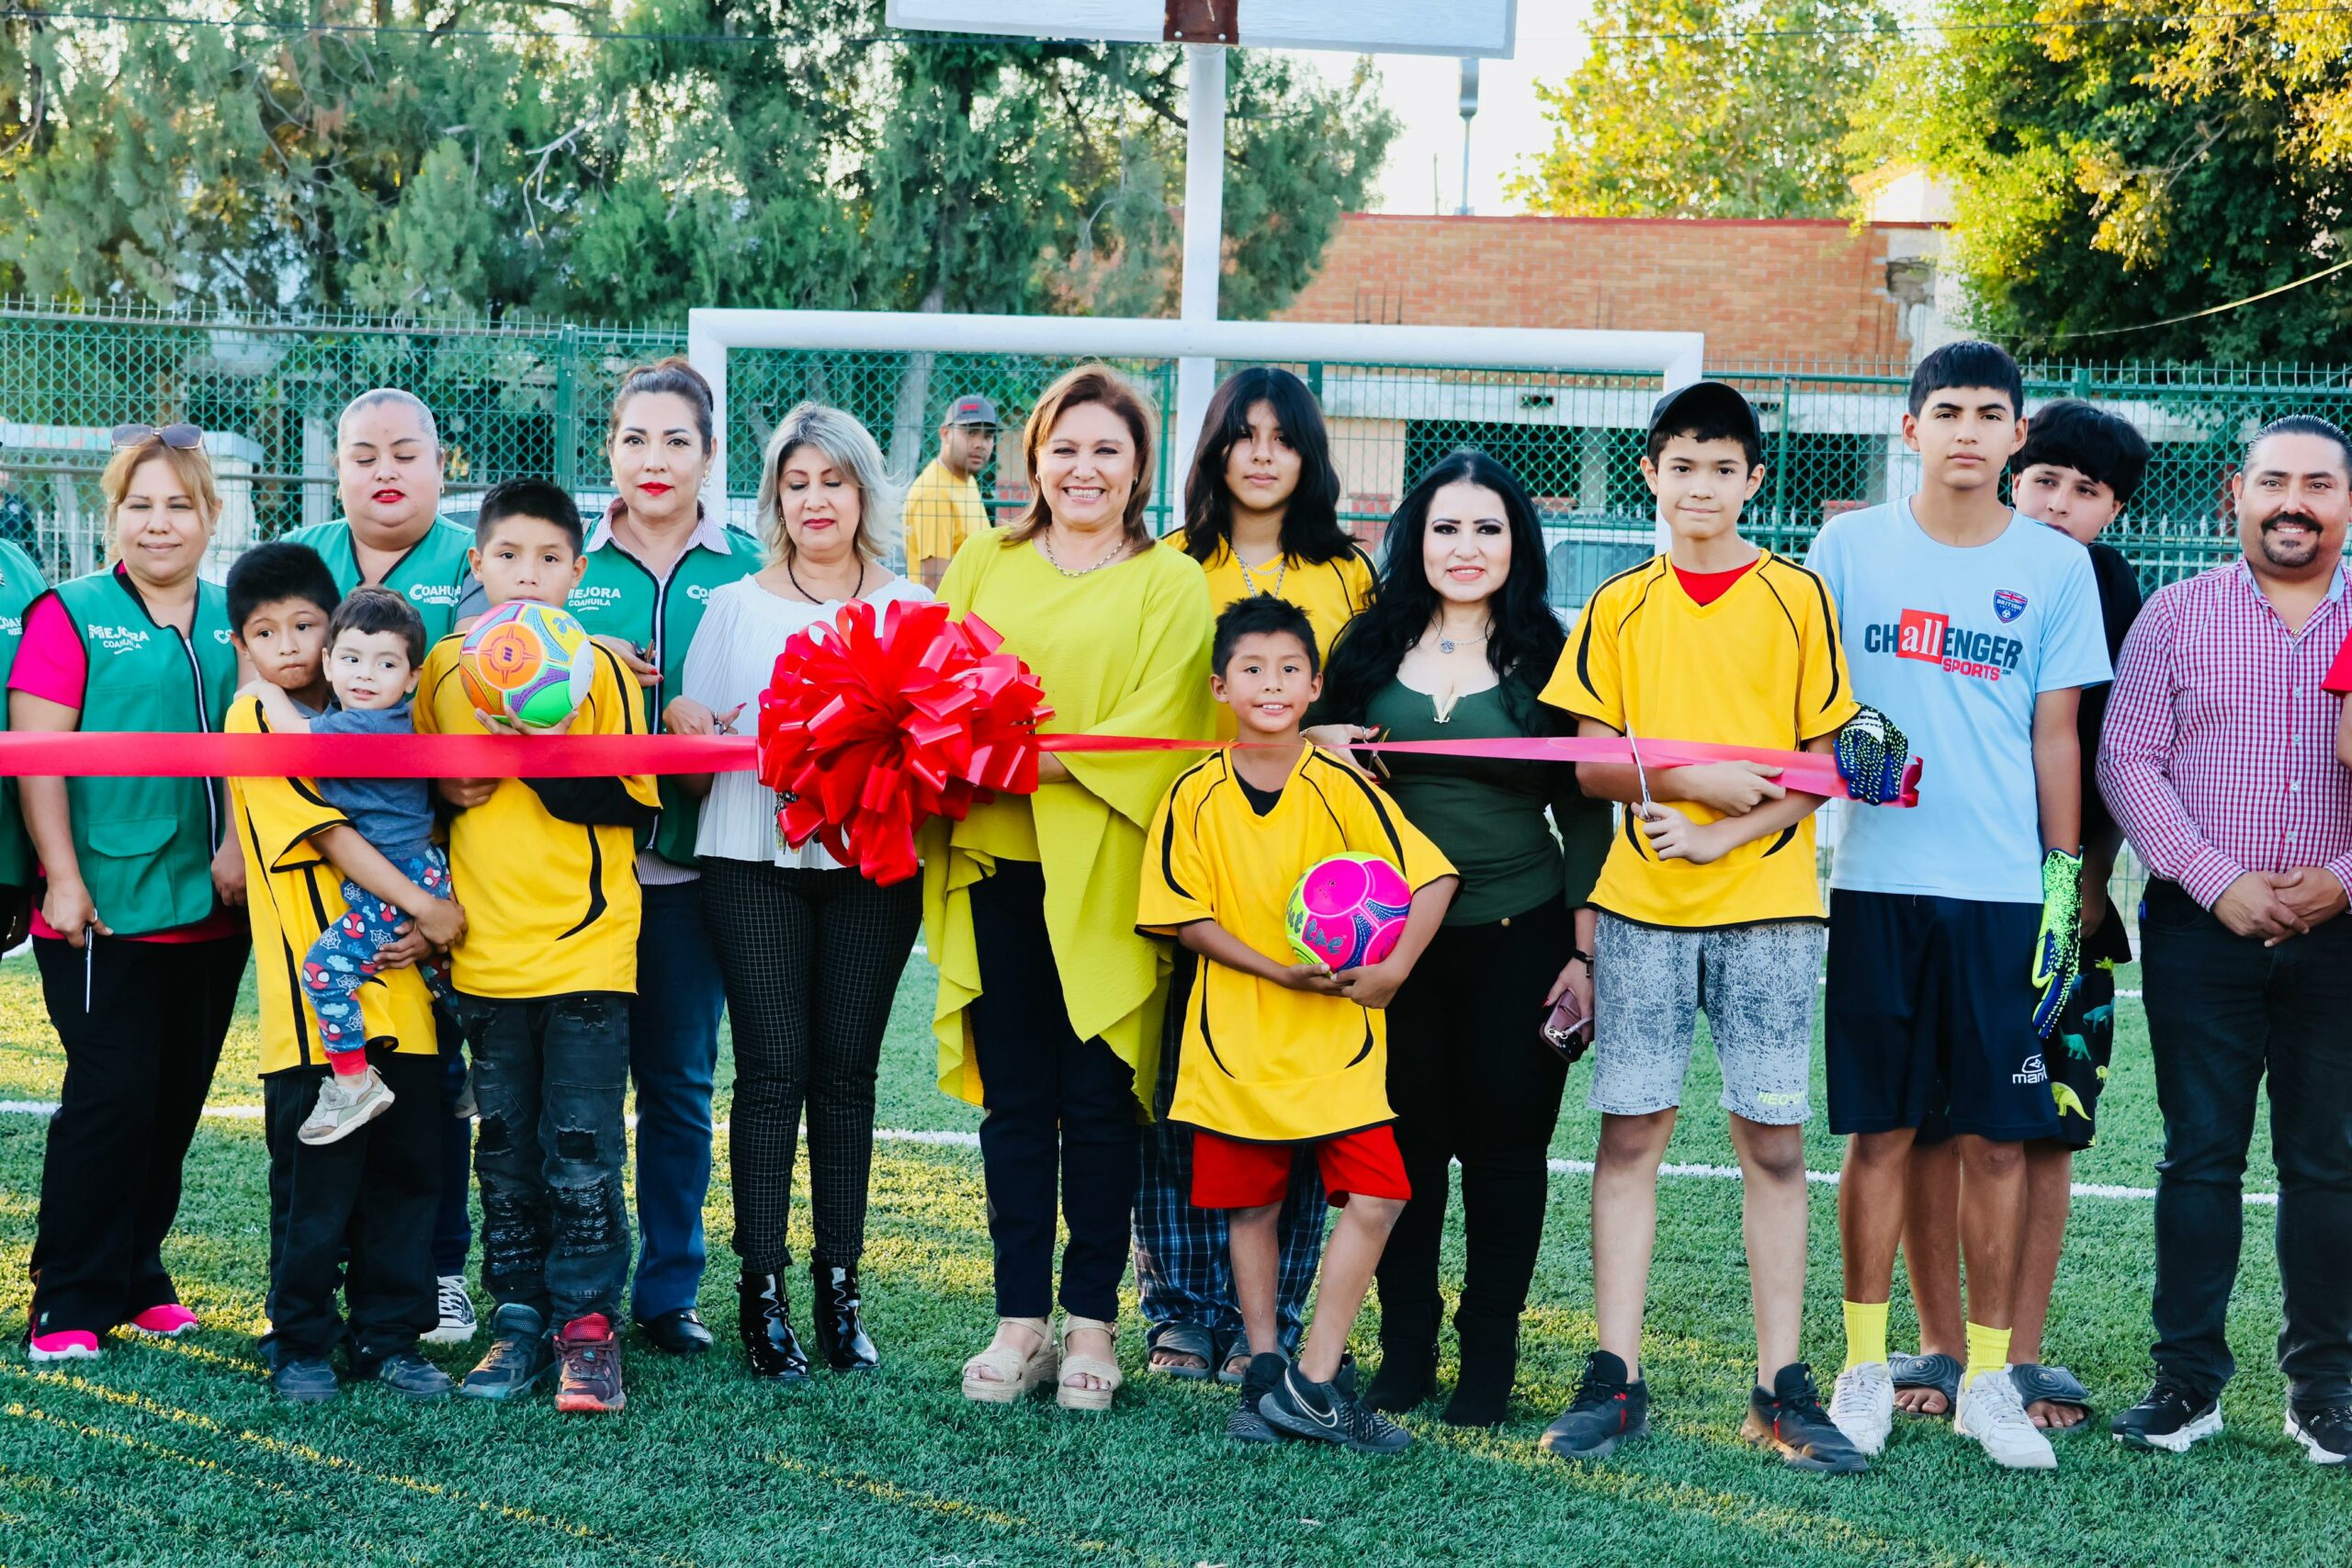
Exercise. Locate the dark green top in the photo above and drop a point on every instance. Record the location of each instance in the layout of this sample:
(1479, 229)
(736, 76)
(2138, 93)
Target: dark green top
(1488, 814)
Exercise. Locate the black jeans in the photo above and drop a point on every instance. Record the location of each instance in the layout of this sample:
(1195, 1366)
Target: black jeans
(551, 1076)
(358, 1212)
(1061, 1113)
(811, 960)
(2222, 1010)
(453, 1224)
(138, 1059)
(1470, 1079)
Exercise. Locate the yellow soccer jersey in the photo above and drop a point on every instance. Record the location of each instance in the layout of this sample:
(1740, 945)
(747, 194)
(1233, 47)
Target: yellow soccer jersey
(1332, 593)
(551, 907)
(292, 895)
(942, 512)
(1263, 1062)
(1763, 667)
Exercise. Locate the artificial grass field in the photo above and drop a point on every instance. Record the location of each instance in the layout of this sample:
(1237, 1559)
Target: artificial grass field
(176, 1452)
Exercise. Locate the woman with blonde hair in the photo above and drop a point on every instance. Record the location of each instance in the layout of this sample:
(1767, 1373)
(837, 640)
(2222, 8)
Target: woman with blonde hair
(139, 955)
(810, 952)
(655, 558)
(1049, 1002)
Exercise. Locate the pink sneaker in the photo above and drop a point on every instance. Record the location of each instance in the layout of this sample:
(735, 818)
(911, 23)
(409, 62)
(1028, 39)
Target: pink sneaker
(67, 1345)
(166, 1322)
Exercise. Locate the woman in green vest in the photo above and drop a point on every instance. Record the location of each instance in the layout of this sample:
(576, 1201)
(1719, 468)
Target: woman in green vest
(654, 559)
(21, 583)
(140, 953)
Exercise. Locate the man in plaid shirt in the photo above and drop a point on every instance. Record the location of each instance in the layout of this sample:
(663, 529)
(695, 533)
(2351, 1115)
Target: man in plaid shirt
(2220, 760)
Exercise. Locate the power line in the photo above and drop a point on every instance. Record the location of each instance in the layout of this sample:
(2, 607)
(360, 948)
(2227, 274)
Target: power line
(599, 35)
(2215, 310)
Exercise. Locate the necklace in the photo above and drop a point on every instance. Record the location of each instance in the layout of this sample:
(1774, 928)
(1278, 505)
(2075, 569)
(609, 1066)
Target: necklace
(857, 592)
(1046, 547)
(1249, 579)
(1447, 645)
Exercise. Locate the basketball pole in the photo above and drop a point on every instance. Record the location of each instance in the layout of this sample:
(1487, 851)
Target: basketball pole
(1203, 246)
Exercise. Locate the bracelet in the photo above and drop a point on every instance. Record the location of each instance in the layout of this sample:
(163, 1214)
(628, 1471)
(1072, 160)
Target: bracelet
(1578, 956)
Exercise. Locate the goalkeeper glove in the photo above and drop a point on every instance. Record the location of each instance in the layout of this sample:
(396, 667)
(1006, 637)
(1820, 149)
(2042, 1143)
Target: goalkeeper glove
(1872, 756)
(2058, 948)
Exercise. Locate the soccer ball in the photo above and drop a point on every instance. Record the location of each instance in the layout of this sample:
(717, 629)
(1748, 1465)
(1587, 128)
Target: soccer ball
(1349, 912)
(529, 662)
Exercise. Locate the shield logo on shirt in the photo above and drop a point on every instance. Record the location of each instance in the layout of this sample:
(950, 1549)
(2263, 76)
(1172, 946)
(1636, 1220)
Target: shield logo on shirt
(2008, 604)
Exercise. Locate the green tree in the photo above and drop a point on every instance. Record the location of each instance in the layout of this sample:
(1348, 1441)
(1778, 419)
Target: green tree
(1708, 108)
(2110, 178)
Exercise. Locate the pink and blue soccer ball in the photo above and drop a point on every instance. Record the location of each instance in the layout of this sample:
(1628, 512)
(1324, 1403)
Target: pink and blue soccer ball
(529, 662)
(1349, 912)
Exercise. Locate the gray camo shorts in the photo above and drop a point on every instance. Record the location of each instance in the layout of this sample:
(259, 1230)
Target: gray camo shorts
(1758, 984)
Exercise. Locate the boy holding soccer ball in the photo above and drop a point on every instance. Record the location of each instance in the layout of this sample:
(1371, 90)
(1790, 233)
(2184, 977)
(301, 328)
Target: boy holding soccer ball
(543, 980)
(1282, 1056)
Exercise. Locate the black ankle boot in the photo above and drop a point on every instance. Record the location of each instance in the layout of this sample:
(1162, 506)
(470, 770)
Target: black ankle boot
(1407, 1372)
(841, 1336)
(763, 1309)
(1489, 1363)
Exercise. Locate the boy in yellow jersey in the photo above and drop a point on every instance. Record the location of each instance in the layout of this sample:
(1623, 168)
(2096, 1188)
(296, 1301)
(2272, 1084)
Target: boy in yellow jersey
(358, 1211)
(1282, 1057)
(543, 978)
(1708, 903)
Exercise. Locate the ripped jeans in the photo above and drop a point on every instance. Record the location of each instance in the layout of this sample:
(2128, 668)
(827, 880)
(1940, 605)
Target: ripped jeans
(549, 1075)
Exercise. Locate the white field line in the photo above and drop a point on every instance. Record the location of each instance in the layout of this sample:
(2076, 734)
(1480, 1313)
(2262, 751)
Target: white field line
(949, 1139)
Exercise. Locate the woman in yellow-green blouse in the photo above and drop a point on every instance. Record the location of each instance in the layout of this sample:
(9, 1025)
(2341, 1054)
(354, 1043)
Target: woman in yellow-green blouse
(1049, 1003)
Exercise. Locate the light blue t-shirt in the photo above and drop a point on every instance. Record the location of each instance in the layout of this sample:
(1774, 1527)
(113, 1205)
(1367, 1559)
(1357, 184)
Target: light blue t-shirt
(1954, 645)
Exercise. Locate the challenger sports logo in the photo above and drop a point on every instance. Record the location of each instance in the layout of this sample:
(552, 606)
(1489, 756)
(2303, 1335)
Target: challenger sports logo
(2008, 604)
(1930, 636)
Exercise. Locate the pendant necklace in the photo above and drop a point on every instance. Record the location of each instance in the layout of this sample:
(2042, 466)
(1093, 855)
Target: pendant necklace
(1249, 579)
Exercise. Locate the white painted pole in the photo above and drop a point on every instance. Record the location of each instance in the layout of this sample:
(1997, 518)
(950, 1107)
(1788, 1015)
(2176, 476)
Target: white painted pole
(707, 351)
(1203, 248)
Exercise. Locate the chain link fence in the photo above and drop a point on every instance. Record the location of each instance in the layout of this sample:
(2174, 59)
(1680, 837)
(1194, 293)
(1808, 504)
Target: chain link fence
(532, 399)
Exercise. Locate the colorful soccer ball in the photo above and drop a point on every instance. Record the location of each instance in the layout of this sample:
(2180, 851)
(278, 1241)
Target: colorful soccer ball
(529, 662)
(1349, 912)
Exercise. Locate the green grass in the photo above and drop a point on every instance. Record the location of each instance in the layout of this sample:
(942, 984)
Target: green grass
(176, 1452)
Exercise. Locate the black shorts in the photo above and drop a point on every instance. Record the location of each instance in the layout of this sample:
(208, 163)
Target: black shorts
(1929, 1017)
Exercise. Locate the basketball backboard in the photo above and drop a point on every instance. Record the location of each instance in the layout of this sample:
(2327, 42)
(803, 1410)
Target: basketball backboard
(1363, 26)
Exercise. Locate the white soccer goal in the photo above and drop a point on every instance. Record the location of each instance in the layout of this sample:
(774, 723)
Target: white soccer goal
(1673, 357)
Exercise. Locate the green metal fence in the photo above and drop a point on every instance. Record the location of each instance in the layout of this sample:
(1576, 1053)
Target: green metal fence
(532, 399)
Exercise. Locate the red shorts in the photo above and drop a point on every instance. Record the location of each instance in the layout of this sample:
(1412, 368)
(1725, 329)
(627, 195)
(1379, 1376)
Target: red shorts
(1230, 1174)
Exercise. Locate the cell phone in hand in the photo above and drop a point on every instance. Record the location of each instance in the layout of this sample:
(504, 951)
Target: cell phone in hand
(1567, 1029)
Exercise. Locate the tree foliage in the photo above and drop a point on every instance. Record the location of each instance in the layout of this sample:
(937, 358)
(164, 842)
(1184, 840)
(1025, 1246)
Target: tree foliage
(2109, 177)
(1708, 108)
(427, 170)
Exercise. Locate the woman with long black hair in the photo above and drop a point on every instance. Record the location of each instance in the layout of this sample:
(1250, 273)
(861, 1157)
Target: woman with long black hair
(1456, 646)
(1261, 515)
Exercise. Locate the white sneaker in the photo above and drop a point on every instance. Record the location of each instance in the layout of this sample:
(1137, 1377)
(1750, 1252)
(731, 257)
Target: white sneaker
(457, 1324)
(1991, 1412)
(347, 1101)
(1862, 1406)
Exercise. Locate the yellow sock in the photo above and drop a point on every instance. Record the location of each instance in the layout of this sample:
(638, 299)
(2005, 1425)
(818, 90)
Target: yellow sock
(1988, 1351)
(1865, 1333)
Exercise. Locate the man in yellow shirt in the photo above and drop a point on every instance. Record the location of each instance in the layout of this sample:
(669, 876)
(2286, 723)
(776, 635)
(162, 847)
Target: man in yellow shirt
(943, 505)
(543, 980)
(1708, 904)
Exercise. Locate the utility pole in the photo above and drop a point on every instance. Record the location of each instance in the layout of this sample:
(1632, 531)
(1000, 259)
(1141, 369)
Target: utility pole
(1469, 112)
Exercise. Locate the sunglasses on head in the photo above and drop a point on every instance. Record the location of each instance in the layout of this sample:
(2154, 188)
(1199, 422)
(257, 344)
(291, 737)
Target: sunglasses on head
(180, 437)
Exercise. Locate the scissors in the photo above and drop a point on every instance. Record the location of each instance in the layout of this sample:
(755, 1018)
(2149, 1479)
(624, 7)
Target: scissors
(1642, 773)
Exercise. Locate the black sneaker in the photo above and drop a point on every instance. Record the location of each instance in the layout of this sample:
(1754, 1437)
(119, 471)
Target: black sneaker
(2168, 1418)
(410, 1375)
(590, 1380)
(519, 1355)
(309, 1381)
(2325, 1433)
(1246, 1425)
(1607, 1410)
(1790, 1421)
(1325, 1412)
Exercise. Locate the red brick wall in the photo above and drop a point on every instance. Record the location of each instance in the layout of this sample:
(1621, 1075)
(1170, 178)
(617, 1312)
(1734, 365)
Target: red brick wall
(1761, 290)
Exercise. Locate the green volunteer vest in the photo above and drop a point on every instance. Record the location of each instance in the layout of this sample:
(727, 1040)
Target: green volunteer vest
(429, 576)
(20, 583)
(617, 597)
(146, 844)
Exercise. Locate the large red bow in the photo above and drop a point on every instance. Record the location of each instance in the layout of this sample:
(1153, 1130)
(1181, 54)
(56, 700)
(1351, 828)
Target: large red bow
(867, 732)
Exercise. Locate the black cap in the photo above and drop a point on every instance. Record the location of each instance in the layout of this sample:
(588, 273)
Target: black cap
(1707, 402)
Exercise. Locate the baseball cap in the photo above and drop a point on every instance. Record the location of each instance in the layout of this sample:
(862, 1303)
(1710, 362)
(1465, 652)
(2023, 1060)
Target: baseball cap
(971, 409)
(1706, 403)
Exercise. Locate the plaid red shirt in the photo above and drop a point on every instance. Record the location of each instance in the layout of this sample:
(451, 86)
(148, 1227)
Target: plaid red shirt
(2219, 757)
